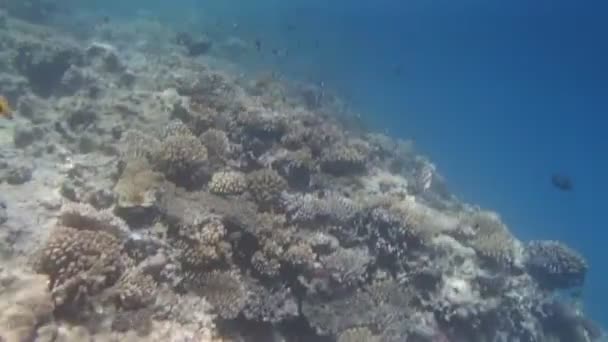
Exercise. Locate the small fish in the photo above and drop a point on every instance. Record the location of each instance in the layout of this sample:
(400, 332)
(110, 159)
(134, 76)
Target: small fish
(562, 182)
(258, 45)
(5, 109)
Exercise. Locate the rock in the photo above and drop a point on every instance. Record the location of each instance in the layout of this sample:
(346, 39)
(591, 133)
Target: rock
(3, 212)
(18, 175)
(25, 136)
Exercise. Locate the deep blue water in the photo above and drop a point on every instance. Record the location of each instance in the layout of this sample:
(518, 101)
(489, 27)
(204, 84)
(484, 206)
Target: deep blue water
(500, 94)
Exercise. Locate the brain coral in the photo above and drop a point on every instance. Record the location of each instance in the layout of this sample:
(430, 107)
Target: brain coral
(266, 185)
(555, 265)
(227, 183)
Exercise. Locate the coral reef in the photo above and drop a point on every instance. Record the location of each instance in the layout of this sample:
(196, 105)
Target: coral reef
(162, 197)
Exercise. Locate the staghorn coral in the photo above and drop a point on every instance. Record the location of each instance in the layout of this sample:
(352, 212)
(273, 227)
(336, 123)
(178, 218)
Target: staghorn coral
(555, 265)
(227, 183)
(265, 185)
(343, 160)
(224, 290)
(79, 263)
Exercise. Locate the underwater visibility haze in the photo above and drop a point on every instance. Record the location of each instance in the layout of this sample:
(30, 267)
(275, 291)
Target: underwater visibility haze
(344, 171)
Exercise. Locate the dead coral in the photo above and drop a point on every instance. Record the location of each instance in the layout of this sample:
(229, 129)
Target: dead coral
(79, 263)
(25, 304)
(266, 185)
(227, 183)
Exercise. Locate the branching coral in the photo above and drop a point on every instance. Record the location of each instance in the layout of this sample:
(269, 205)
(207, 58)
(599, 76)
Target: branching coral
(265, 185)
(181, 159)
(136, 289)
(555, 265)
(347, 266)
(224, 290)
(79, 263)
(270, 305)
(227, 183)
(217, 143)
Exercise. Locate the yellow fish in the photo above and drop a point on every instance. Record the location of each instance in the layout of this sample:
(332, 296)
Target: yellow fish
(5, 108)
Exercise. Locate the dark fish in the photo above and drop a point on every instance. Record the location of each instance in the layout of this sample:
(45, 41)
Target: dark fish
(562, 182)
(105, 19)
(258, 45)
(291, 27)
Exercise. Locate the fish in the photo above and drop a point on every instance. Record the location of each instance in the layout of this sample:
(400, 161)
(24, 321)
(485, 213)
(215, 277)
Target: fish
(562, 182)
(5, 108)
(258, 45)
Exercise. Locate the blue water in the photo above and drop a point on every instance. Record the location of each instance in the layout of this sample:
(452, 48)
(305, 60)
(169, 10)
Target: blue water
(500, 95)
